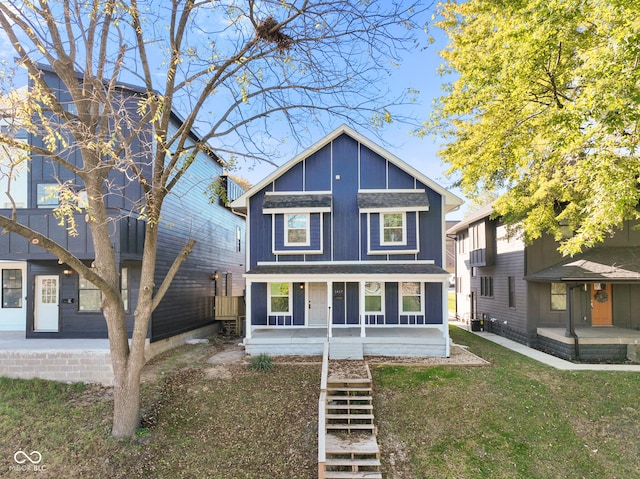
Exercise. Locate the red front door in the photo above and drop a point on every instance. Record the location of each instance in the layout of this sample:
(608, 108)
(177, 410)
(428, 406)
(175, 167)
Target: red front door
(601, 311)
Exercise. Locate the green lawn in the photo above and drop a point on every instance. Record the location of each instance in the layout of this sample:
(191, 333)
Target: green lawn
(513, 419)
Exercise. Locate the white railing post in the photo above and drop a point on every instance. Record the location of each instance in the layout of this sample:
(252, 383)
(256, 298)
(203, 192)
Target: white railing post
(361, 312)
(322, 409)
(329, 301)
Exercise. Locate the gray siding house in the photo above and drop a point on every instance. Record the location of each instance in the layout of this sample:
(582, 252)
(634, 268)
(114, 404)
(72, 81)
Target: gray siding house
(583, 307)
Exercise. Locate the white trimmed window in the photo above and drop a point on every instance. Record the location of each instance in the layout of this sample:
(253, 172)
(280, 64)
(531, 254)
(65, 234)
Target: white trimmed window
(393, 228)
(296, 229)
(411, 297)
(279, 298)
(89, 296)
(558, 297)
(373, 297)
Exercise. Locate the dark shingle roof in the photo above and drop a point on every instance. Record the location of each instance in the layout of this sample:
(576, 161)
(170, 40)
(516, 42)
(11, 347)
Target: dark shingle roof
(393, 199)
(597, 265)
(381, 268)
(288, 200)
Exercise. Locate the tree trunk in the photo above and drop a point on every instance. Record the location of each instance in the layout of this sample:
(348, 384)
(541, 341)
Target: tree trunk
(126, 402)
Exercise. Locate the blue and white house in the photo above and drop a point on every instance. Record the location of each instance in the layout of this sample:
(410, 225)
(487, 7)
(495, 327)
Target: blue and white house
(346, 244)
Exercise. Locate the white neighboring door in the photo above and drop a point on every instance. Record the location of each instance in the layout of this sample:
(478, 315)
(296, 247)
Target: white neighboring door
(13, 310)
(45, 314)
(317, 307)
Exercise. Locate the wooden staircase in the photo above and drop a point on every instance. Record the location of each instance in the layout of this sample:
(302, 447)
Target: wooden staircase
(351, 447)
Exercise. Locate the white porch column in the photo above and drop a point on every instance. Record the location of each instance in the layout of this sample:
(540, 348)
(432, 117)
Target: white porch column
(329, 303)
(445, 313)
(361, 310)
(247, 294)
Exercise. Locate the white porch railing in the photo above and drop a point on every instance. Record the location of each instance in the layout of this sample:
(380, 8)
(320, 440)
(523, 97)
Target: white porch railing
(322, 410)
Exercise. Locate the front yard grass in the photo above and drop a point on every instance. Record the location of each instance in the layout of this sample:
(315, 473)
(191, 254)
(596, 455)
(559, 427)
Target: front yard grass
(513, 419)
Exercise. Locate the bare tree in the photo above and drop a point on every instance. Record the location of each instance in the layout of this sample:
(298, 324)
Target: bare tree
(241, 73)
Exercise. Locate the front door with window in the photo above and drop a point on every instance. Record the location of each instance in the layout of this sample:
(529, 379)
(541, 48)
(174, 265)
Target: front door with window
(317, 304)
(45, 314)
(601, 311)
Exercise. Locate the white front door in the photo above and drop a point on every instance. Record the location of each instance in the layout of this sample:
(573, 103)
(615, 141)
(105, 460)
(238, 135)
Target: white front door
(45, 314)
(317, 307)
(13, 309)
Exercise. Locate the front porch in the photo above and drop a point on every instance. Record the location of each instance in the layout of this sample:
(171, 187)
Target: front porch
(591, 343)
(400, 341)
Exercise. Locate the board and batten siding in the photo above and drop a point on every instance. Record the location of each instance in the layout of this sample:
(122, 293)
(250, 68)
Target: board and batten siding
(509, 262)
(188, 213)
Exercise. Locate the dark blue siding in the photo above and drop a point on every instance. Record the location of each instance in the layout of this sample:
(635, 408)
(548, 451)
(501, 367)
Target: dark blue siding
(353, 300)
(259, 304)
(433, 302)
(291, 180)
(318, 171)
(431, 228)
(326, 247)
(391, 302)
(260, 224)
(399, 179)
(338, 303)
(299, 304)
(373, 170)
(345, 206)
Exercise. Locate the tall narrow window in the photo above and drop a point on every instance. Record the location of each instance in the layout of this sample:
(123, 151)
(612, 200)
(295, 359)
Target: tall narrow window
(392, 227)
(124, 287)
(296, 229)
(89, 296)
(238, 239)
(512, 291)
(12, 288)
(279, 297)
(373, 297)
(411, 297)
(558, 297)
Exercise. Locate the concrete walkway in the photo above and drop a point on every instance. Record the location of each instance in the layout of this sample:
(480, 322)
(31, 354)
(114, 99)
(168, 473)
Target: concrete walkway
(545, 358)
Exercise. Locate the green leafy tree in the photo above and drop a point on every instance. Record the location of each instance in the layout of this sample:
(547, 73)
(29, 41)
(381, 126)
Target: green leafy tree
(544, 108)
(242, 73)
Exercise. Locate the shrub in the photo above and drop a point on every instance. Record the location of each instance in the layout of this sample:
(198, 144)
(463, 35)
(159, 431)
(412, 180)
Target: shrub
(262, 362)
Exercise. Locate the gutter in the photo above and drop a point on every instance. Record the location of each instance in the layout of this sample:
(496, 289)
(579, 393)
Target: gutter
(572, 332)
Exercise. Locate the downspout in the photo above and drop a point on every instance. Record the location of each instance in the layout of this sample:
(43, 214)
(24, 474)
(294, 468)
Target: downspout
(572, 332)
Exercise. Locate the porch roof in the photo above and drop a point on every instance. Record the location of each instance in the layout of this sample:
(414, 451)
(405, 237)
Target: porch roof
(374, 268)
(605, 264)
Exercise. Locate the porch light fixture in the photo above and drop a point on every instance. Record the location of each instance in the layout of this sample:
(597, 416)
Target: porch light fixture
(67, 272)
(301, 285)
(214, 276)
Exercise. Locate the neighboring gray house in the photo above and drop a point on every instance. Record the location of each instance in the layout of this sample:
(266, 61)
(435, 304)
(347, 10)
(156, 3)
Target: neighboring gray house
(582, 307)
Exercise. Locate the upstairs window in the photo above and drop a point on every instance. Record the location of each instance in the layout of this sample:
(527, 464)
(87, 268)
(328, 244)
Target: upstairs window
(393, 228)
(296, 229)
(48, 195)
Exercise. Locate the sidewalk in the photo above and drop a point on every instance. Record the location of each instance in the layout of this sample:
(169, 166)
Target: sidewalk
(545, 358)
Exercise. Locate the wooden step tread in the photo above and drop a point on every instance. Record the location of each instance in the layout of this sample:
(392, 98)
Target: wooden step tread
(348, 389)
(352, 475)
(342, 426)
(371, 462)
(350, 406)
(349, 416)
(333, 380)
(349, 398)
(351, 445)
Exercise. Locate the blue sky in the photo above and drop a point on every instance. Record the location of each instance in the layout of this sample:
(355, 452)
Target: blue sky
(418, 71)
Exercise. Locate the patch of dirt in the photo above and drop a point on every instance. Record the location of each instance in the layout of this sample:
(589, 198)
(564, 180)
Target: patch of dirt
(348, 369)
(458, 357)
(219, 371)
